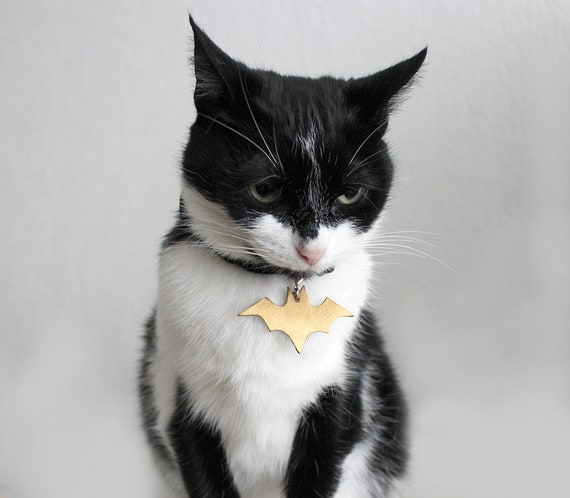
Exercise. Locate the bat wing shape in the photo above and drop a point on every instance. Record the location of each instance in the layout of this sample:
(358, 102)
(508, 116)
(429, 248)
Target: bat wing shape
(297, 318)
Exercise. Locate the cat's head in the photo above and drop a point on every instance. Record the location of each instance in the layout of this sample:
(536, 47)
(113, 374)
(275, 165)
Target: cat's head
(284, 171)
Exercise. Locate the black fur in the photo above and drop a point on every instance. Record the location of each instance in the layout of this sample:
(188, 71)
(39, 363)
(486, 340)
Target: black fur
(327, 432)
(258, 127)
(331, 427)
(238, 107)
(326, 435)
(146, 392)
(367, 354)
(199, 453)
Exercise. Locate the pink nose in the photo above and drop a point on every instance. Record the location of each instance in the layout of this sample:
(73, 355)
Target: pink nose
(311, 254)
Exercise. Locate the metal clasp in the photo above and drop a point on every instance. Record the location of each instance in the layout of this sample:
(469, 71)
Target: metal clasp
(299, 279)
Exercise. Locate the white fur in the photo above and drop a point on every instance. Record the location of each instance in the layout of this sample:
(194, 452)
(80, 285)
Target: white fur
(308, 144)
(248, 382)
(355, 481)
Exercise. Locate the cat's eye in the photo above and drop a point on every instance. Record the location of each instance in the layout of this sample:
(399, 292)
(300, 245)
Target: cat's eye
(266, 191)
(351, 196)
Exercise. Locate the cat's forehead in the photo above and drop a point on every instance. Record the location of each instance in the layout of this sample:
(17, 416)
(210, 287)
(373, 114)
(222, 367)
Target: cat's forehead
(307, 111)
(304, 90)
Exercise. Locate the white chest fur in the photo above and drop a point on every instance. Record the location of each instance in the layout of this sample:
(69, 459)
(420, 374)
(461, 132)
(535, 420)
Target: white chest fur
(247, 382)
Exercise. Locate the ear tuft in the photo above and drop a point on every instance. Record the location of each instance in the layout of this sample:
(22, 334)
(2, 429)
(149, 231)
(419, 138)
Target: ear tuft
(213, 69)
(381, 91)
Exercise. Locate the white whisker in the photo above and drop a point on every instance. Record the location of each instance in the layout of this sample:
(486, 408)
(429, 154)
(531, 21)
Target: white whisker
(363, 162)
(274, 161)
(402, 238)
(411, 177)
(276, 149)
(412, 252)
(366, 140)
(217, 121)
(414, 231)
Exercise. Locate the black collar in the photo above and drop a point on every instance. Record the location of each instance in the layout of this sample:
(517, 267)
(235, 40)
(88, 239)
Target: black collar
(264, 268)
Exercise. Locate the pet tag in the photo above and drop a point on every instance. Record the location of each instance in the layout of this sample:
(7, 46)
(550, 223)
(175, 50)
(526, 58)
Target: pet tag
(297, 317)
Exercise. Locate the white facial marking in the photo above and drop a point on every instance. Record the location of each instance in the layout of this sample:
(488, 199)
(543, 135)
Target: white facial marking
(309, 144)
(269, 239)
(215, 227)
(281, 246)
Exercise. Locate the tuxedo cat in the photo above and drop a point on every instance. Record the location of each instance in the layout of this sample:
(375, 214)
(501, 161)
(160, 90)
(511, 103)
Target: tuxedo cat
(283, 177)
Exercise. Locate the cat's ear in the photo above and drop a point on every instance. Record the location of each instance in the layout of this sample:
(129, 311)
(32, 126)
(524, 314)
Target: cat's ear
(380, 92)
(216, 73)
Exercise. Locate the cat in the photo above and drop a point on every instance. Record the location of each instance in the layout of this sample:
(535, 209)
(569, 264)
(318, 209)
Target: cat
(283, 178)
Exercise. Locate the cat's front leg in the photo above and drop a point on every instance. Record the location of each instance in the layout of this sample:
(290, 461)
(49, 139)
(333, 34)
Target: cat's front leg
(332, 451)
(326, 434)
(199, 454)
(366, 485)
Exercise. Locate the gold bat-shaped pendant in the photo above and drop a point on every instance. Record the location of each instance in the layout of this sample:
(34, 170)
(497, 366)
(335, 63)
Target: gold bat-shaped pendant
(297, 317)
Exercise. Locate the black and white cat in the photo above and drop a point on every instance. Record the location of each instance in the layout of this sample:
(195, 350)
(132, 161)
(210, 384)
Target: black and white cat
(282, 177)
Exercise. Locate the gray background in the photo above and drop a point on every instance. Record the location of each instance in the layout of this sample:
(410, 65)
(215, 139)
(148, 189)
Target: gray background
(95, 105)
